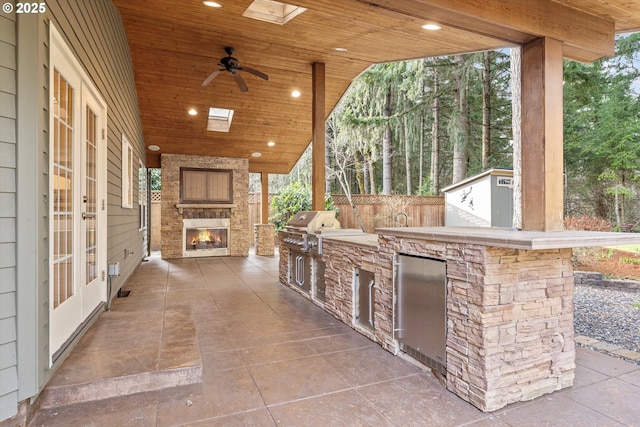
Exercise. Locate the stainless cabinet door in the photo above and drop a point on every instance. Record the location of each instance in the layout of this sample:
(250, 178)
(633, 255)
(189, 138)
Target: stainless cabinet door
(365, 283)
(421, 311)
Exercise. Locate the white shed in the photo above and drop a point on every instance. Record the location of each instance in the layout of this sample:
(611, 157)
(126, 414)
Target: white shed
(484, 200)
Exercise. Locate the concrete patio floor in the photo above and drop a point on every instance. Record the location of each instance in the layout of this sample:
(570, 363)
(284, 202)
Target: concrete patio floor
(218, 341)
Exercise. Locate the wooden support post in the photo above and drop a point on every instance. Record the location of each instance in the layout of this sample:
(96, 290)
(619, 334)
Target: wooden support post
(542, 151)
(264, 196)
(318, 147)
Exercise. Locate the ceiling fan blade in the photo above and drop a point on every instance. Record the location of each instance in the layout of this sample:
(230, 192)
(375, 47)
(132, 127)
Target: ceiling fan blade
(240, 82)
(211, 77)
(255, 72)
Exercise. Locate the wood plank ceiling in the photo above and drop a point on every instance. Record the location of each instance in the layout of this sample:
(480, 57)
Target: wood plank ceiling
(175, 44)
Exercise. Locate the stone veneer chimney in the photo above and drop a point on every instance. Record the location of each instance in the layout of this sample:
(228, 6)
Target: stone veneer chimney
(238, 212)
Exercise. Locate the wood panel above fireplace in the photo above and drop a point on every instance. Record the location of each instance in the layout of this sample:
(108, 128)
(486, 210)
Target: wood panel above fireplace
(198, 185)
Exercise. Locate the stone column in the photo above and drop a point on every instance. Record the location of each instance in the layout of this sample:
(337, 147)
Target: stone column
(264, 235)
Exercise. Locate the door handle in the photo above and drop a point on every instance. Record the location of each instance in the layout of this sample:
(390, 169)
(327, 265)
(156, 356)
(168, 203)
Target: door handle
(371, 285)
(88, 215)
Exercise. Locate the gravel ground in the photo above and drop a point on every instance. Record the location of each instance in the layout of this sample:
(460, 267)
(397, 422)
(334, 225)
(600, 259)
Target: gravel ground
(608, 315)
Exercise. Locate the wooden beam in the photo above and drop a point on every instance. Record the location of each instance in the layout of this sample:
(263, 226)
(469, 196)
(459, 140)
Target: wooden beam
(264, 195)
(318, 147)
(542, 165)
(586, 36)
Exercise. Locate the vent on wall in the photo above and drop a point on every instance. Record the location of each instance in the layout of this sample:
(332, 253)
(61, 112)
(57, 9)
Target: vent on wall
(272, 11)
(426, 360)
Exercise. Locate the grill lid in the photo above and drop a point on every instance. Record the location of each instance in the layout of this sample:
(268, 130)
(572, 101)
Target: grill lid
(313, 221)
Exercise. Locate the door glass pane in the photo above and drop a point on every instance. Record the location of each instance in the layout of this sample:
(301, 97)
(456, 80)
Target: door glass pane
(90, 201)
(62, 190)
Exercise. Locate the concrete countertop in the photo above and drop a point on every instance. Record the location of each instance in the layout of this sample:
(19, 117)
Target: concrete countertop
(507, 238)
(366, 240)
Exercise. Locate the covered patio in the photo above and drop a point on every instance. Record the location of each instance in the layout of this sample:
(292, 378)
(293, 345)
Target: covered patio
(221, 342)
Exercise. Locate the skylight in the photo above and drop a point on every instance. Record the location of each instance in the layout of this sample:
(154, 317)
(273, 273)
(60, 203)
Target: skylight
(272, 11)
(219, 119)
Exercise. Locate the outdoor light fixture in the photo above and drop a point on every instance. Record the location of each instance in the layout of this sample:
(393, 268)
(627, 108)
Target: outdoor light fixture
(193, 112)
(271, 143)
(212, 4)
(153, 148)
(295, 93)
(256, 154)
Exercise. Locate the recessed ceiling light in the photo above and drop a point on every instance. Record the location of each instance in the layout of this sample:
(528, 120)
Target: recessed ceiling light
(271, 143)
(256, 154)
(154, 148)
(295, 94)
(193, 112)
(431, 27)
(340, 49)
(212, 4)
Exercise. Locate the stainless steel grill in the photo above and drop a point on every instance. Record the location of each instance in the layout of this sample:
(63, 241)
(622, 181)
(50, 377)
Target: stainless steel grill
(306, 229)
(300, 233)
(303, 237)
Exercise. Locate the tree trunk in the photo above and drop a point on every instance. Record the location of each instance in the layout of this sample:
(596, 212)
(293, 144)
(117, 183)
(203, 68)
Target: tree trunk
(357, 164)
(365, 168)
(459, 125)
(421, 158)
(327, 162)
(617, 208)
(435, 139)
(407, 153)
(486, 109)
(387, 153)
(372, 177)
(516, 122)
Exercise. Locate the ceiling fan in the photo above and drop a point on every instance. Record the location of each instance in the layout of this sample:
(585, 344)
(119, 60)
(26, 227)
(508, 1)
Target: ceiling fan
(232, 65)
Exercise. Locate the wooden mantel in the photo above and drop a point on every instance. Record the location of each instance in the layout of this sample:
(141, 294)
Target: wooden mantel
(182, 206)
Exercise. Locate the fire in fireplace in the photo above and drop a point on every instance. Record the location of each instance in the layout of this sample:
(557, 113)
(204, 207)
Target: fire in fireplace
(206, 237)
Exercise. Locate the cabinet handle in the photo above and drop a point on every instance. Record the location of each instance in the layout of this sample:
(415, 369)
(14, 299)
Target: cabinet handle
(371, 285)
(300, 270)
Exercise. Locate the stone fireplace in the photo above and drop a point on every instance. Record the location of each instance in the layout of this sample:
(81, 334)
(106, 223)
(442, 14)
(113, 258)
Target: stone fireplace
(211, 228)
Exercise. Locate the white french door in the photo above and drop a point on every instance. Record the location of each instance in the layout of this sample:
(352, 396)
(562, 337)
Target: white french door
(92, 225)
(77, 193)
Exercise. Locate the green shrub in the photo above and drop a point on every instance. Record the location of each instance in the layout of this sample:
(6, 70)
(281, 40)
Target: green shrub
(292, 199)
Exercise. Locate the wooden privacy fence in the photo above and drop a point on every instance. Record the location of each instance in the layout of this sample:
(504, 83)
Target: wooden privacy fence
(376, 210)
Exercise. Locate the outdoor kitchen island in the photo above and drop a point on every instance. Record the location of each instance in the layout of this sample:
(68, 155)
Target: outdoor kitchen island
(509, 302)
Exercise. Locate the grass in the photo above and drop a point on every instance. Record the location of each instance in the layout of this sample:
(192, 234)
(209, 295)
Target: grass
(634, 247)
(634, 261)
(605, 255)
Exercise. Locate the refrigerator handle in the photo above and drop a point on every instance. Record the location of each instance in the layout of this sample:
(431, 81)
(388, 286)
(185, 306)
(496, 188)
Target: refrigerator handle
(371, 285)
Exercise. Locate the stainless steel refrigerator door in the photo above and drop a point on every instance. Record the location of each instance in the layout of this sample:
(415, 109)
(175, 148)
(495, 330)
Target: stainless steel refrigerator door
(421, 310)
